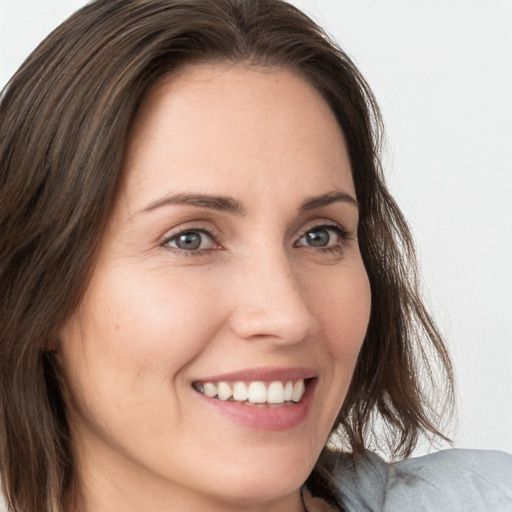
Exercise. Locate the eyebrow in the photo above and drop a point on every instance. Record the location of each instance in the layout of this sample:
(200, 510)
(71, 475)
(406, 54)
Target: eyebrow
(219, 203)
(231, 205)
(327, 199)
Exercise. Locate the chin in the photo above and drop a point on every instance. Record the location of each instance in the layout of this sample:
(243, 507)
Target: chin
(267, 476)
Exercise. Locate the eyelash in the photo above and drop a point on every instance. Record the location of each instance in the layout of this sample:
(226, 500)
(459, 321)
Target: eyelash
(192, 229)
(340, 231)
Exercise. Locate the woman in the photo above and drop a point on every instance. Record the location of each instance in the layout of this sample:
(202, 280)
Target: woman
(205, 278)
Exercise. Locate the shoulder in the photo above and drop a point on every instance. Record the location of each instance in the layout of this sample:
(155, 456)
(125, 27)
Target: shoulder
(453, 480)
(450, 480)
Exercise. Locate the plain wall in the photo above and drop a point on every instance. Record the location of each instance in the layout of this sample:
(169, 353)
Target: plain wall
(442, 72)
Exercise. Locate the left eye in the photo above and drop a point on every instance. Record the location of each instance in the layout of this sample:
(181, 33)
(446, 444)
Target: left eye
(191, 241)
(322, 236)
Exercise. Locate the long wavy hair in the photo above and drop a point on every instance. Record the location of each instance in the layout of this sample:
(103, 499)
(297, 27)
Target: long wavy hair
(65, 118)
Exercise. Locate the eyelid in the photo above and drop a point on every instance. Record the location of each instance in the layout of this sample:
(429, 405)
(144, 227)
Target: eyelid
(336, 249)
(200, 228)
(327, 224)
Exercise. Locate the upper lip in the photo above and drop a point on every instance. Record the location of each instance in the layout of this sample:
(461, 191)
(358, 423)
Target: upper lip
(263, 374)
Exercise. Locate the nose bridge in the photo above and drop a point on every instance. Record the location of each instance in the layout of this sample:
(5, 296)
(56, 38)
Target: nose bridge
(271, 302)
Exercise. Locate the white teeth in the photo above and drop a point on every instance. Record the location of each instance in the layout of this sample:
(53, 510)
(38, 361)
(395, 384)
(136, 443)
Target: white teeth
(240, 392)
(288, 391)
(298, 391)
(210, 389)
(224, 391)
(277, 392)
(257, 393)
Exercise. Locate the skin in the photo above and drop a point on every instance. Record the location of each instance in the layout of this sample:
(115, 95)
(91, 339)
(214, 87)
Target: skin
(157, 317)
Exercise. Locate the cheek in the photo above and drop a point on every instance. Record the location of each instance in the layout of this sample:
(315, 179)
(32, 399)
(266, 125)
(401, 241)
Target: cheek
(152, 318)
(135, 333)
(344, 312)
(342, 306)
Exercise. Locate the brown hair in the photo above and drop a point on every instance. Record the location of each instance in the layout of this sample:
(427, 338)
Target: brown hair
(64, 122)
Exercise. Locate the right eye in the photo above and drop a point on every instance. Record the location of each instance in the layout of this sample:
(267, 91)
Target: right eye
(191, 240)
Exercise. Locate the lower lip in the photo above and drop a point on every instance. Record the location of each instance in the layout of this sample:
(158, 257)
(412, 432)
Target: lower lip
(266, 418)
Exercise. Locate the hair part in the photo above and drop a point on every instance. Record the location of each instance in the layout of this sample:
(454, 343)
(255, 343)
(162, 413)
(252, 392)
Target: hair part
(65, 119)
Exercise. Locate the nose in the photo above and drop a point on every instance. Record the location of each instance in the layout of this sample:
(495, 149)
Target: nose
(271, 304)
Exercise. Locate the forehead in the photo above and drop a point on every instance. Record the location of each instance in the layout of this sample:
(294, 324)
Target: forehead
(226, 126)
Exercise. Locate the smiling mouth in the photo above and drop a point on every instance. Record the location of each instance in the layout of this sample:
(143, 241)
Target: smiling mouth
(255, 393)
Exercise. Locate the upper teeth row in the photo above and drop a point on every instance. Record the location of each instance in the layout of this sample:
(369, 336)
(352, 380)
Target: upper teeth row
(255, 392)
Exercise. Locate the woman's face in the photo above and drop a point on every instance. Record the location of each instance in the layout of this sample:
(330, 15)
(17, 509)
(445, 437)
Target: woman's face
(230, 264)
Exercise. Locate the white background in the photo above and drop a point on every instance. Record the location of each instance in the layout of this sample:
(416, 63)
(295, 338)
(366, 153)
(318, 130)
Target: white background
(442, 72)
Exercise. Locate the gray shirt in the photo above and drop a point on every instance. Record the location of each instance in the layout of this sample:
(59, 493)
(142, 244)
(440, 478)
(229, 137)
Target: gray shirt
(447, 481)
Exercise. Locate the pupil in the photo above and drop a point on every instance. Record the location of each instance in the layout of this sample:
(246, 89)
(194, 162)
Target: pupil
(189, 241)
(318, 238)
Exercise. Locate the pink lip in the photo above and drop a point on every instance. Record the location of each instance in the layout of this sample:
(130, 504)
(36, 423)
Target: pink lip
(264, 418)
(263, 374)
